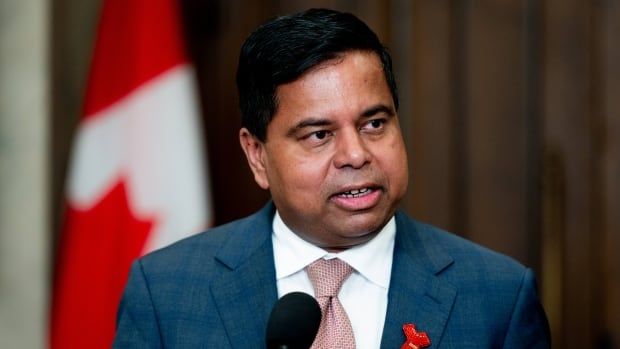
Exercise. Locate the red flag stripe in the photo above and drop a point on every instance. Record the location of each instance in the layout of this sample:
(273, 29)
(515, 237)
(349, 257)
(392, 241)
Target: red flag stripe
(137, 40)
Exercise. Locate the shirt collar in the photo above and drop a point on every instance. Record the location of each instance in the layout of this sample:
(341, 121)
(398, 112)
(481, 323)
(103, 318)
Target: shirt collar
(372, 260)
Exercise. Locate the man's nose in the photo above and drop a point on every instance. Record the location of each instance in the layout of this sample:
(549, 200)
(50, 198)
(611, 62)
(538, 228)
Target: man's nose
(351, 150)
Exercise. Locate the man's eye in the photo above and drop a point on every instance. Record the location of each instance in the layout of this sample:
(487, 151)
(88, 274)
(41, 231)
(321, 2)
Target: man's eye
(317, 137)
(320, 134)
(375, 124)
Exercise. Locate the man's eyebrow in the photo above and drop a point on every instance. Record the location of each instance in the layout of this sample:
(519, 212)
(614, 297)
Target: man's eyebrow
(310, 122)
(380, 108)
(318, 122)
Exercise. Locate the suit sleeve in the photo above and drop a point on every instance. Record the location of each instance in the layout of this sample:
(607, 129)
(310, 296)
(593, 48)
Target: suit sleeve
(136, 322)
(528, 327)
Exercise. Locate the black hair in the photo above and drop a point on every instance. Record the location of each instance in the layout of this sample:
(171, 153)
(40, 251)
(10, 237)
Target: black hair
(283, 49)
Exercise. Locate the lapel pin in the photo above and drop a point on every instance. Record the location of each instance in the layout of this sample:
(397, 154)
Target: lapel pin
(415, 339)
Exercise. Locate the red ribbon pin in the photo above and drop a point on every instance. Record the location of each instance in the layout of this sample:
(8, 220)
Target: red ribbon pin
(415, 339)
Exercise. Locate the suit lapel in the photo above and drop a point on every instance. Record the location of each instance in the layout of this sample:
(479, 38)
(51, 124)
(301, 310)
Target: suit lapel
(246, 289)
(417, 294)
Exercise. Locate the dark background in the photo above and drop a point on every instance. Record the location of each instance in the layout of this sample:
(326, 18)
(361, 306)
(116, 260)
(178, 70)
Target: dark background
(511, 116)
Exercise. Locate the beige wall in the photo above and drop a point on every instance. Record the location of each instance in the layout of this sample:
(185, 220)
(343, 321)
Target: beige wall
(24, 172)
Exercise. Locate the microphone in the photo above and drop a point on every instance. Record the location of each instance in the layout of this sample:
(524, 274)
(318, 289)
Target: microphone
(294, 322)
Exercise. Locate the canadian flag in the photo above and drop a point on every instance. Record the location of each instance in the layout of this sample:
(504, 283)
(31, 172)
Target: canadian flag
(137, 180)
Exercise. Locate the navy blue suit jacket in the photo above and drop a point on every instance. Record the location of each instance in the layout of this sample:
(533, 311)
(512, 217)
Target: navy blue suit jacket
(216, 290)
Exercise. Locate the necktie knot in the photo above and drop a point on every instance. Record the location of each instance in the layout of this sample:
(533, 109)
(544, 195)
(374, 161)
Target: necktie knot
(328, 275)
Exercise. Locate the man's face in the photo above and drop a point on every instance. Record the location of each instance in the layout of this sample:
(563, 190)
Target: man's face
(334, 159)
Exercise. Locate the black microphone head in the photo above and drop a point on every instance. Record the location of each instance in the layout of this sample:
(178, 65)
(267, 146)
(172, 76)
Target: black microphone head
(294, 322)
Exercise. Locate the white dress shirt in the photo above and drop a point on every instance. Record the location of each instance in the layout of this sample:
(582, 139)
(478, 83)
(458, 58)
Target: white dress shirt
(363, 295)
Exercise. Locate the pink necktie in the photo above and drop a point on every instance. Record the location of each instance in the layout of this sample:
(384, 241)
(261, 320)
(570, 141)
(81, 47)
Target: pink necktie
(335, 330)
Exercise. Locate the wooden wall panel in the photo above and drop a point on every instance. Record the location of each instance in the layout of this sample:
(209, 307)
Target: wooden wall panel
(610, 76)
(401, 31)
(428, 128)
(568, 138)
(496, 134)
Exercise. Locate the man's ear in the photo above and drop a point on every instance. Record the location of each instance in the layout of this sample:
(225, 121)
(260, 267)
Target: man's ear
(254, 151)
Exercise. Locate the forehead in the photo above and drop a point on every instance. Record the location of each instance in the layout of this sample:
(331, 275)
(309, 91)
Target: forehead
(345, 85)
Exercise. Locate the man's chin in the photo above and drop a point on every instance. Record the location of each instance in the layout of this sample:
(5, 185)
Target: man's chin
(346, 242)
(363, 222)
(358, 233)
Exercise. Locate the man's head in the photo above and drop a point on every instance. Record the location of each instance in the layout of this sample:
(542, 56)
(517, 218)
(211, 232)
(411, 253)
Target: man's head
(320, 128)
(282, 50)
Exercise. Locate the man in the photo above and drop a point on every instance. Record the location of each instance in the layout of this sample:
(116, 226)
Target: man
(321, 133)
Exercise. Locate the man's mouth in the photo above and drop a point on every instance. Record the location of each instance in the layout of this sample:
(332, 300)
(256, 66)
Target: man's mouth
(355, 193)
(358, 198)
